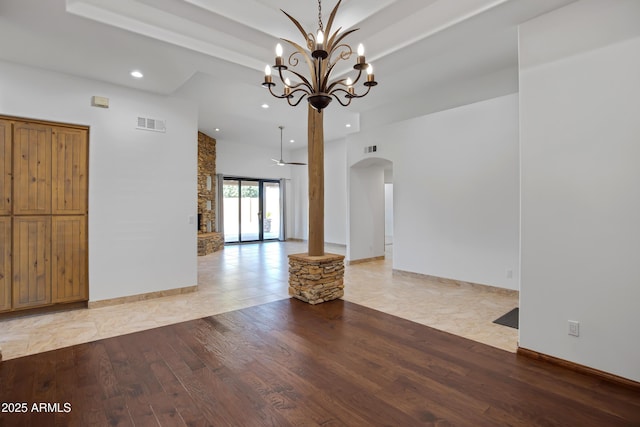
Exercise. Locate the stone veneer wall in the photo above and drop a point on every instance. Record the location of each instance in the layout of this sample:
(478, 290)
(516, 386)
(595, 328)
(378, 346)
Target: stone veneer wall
(208, 239)
(316, 279)
(206, 168)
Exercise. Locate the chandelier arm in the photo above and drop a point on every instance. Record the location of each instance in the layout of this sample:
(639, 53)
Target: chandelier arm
(335, 83)
(291, 97)
(306, 57)
(343, 82)
(304, 90)
(357, 78)
(347, 96)
(304, 82)
(299, 86)
(275, 94)
(355, 95)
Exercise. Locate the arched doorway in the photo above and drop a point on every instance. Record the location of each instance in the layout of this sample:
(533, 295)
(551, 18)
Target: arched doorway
(369, 211)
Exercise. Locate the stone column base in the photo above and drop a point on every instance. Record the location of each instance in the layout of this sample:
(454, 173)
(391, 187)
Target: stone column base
(316, 279)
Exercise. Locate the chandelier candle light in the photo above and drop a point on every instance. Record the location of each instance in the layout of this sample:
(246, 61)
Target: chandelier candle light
(320, 52)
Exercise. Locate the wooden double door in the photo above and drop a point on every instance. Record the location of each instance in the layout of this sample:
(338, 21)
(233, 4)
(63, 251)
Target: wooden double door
(43, 214)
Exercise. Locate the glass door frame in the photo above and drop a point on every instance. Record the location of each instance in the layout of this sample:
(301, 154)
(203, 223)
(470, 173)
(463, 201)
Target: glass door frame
(261, 206)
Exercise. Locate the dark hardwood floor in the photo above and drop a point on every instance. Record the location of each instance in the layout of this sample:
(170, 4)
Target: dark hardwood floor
(287, 363)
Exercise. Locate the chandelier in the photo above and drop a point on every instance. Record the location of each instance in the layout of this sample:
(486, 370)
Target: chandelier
(321, 52)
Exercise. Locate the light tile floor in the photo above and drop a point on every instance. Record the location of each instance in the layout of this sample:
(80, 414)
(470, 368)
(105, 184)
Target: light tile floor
(245, 275)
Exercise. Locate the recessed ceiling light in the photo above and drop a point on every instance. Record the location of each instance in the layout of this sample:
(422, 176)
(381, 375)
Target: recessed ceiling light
(217, 129)
(137, 74)
(348, 125)
(292, 141)
(265, 106)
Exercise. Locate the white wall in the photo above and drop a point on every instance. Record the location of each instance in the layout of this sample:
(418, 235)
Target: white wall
(142, 184)
(248, 160)
(388, 213)
(443, 96)
(455, 176)
(335, 193)
(299, 198)
(579, 101)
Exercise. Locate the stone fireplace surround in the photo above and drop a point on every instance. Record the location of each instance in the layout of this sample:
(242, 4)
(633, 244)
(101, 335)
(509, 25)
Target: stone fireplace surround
(208, 239)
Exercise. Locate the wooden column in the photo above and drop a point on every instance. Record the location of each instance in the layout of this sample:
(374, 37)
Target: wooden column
(316, 182)
(316, 276)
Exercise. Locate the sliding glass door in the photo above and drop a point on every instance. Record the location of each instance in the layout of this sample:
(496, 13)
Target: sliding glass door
(271, 203)
(251, 210)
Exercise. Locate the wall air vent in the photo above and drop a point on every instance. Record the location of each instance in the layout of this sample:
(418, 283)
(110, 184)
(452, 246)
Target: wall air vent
(147, 123)
(370, 149)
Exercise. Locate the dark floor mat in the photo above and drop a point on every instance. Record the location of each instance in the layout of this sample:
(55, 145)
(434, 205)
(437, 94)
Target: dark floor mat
(510, 319)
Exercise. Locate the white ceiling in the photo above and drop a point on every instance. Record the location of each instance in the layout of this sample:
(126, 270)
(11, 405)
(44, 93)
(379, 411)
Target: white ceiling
(427, 54)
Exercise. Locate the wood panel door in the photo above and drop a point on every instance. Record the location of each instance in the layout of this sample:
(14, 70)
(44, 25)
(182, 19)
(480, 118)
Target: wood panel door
(31, 169)
(5, 263)
(69, 259)
(5, 167)
(69, 171)
(31, 261)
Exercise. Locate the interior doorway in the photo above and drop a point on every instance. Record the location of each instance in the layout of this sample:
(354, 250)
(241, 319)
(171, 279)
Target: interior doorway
(370, 227)
(252, 210)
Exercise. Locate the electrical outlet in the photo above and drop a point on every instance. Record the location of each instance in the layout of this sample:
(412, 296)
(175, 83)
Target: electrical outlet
(509, 274)
(574, 328)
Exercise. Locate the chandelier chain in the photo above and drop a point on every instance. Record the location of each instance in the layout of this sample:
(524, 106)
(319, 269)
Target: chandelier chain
(320, 15)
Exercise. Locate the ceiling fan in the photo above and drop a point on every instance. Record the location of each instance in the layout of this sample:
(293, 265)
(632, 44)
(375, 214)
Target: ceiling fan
(282, 162)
